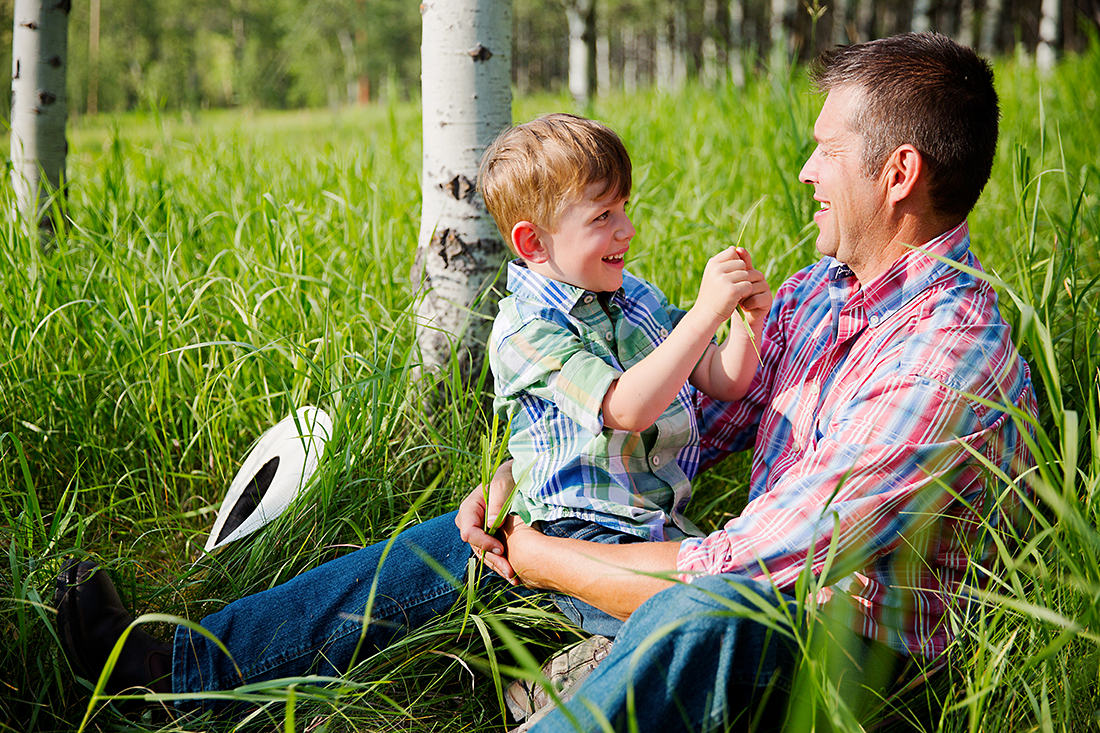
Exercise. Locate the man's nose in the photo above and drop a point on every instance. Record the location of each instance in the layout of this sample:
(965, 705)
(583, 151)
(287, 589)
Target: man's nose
(807, 174)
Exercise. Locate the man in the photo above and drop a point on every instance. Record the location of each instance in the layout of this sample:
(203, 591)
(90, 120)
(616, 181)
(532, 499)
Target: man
(878, 367)
(870, 413)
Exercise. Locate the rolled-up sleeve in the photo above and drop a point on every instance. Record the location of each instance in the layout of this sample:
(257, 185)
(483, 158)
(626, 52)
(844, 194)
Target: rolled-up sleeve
(888, 466)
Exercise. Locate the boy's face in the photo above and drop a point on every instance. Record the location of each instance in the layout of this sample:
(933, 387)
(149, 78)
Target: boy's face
(590, 243)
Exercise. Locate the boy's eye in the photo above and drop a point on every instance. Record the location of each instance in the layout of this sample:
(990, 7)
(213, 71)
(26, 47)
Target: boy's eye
(603, 216)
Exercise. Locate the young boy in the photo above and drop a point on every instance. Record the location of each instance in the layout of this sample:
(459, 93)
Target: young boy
(593, 368)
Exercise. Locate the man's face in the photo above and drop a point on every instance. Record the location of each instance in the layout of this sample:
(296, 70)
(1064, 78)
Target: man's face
(588, 247)
(852, 206)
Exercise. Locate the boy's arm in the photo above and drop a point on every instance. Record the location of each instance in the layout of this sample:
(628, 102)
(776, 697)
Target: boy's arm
(726, 370)
(638, 397)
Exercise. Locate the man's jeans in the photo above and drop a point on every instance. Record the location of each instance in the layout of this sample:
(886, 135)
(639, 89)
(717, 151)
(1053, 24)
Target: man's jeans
(312, 624)
(718, 654)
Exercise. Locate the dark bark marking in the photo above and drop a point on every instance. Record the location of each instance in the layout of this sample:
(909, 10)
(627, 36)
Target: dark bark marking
(480, 53)
(46, 99)
(31, 25)
(460, 188)
(55, 62)
(451, 248)
(16, 74)
(64, 6)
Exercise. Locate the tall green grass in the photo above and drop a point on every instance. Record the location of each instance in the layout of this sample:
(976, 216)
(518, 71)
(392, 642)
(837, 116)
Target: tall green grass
(217, 271)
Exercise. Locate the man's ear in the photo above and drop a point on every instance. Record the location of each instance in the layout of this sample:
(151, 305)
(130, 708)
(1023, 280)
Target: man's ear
(903, 171)
(528, 243)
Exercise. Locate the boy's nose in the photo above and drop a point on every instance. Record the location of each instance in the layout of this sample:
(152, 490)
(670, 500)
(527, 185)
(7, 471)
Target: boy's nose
(626, 230)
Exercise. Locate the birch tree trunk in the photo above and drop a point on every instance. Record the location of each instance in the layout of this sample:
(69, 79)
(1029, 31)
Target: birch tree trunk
(630, 59)
(466, 53)
(581, 17)
(782, 11)
(967, 33)
(840, 22)
(603, 63)
(922, 16)
(991, 26)
(865, 21)
(38, 107)
(710, 43)
(737, 42)
(1048, 35)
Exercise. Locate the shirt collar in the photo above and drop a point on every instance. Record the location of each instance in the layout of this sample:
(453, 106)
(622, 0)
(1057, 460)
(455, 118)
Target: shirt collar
(524, 283)
(910, 275)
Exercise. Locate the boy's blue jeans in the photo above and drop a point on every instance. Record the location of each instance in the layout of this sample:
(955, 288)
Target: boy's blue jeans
(312, 623)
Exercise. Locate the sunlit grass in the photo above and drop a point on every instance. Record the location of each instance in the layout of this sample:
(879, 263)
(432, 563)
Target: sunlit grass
(221, 269)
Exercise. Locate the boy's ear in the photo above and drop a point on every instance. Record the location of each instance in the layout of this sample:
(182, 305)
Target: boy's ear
(527, 242)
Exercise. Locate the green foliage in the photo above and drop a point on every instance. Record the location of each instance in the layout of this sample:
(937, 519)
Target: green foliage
(216, 271)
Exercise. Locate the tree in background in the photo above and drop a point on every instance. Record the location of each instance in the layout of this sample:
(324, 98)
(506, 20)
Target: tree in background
(194, 54)
(467, 101)
(38, 107)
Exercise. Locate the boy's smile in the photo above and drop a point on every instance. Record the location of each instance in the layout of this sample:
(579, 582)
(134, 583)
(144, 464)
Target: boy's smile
(589, 245)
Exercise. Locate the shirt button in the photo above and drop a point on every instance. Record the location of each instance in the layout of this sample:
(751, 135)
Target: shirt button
(588, 299)
(656, 460)
(664, 332)
(608, 335)
(874, 320)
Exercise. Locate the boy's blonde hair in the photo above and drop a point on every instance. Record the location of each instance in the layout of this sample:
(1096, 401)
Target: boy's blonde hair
(533, 171)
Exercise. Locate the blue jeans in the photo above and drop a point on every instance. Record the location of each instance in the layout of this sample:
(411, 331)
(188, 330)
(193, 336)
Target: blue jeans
(686, 661)
(719, 654)
(312, 624)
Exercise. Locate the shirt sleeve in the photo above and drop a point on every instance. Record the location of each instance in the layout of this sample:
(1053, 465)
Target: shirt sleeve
(885, 468)
(546, 360)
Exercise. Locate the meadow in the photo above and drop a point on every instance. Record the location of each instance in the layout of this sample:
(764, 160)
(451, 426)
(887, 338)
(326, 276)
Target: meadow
(217, 270)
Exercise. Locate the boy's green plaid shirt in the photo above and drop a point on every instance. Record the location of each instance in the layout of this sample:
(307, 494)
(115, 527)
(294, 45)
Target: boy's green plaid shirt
(554, 351)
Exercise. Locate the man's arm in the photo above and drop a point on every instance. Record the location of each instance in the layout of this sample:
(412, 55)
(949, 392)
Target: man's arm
(593, 572)
(612, 578)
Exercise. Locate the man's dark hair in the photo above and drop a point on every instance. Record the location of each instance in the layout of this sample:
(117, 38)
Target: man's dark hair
(928, 91)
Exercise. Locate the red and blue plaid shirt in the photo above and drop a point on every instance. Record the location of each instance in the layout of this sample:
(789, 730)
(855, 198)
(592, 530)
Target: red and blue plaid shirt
(865, 416)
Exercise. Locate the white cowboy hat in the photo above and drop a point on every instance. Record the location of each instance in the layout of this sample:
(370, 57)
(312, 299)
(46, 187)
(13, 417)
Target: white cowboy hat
(272, 475)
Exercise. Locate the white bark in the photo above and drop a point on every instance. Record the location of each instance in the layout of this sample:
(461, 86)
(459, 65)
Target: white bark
(93, 57)
(737, 42)
(38, 105)
(663, 66)
(967, 32)
(630, 59)
(466, 57)
(865, 25)
(840, 22)
(581, 18)
(781, 13)
(922, 16)
(603, 64)
(1048, 35)
(710, 44)
(991, 22)
(680, 47)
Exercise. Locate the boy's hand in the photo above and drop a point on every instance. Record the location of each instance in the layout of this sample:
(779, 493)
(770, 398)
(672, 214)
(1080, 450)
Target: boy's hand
(727, 280)
(757, 304)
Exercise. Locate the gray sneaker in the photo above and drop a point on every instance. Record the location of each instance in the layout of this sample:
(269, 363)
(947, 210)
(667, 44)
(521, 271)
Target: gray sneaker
(528, 701)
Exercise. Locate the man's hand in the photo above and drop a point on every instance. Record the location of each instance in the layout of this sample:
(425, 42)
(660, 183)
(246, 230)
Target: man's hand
(759, 302)
(475, 514)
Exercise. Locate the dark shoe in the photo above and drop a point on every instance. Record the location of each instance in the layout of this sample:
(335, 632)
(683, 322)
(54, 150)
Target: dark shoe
(90, 620)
